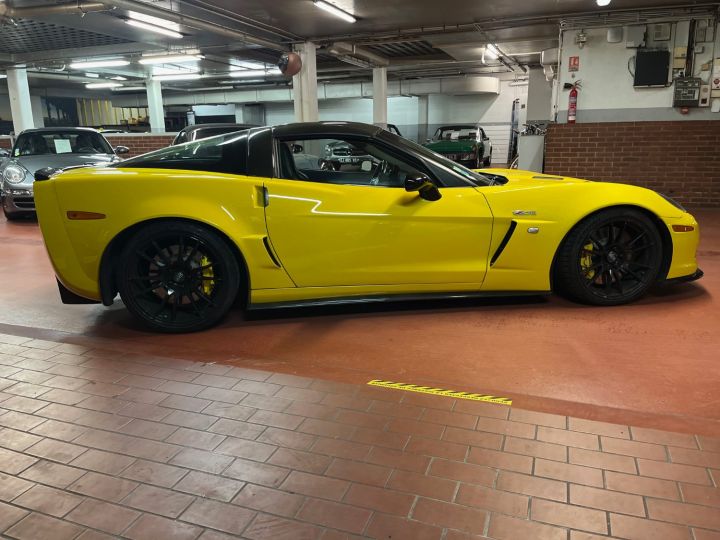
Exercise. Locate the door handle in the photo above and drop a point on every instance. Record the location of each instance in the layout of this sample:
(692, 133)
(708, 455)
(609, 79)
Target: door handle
(263, 196)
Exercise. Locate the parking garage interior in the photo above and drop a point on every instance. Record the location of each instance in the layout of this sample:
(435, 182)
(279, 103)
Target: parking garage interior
(453, 417)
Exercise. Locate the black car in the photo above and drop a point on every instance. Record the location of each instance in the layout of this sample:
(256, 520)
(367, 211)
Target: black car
(203, 131)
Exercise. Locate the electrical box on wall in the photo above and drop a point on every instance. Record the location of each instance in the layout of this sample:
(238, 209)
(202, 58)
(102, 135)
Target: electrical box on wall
(704, 95)
(651, 68)
(635, 36)
(661, 32)
(687, 92)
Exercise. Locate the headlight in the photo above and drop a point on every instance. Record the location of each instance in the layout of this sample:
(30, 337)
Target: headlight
(14, 174)
(673, 202)
(467, 156)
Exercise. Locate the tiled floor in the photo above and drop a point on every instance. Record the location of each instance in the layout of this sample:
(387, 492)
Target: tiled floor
(100, 444)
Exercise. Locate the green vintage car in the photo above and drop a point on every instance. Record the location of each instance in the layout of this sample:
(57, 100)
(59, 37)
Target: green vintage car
(466, 144)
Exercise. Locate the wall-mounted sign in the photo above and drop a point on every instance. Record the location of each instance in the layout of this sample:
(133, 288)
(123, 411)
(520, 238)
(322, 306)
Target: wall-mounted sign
(574, 63)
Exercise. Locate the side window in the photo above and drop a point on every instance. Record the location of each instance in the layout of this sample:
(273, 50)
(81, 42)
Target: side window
(343, 161)
(223, 154)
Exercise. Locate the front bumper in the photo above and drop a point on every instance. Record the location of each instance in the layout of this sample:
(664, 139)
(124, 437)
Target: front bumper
(684, 279)
(20, 202)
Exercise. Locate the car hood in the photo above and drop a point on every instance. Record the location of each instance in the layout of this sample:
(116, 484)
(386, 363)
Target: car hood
(443, 147)
(521, 178)
(61, 161)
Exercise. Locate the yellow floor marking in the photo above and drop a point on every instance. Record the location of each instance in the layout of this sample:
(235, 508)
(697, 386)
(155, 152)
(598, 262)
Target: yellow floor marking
(440, 392)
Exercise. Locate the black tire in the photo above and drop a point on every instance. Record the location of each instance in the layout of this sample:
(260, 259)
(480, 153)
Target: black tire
(178, 277)
(611, 258)
(488, 160)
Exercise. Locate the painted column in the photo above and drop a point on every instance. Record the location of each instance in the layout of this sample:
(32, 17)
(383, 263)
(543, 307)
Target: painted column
(423, 118)
(239, 113)
(20, 104)
(380, 96)
(539, 103)
(155, 106)
(305, 85)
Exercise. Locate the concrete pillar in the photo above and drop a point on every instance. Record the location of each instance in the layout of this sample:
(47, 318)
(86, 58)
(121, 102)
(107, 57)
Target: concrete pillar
(254, 113)
(20, 104)
(155, 106)
(423, 118)
(539, 103)
(380, 96)
(239, 113)
(305, 85)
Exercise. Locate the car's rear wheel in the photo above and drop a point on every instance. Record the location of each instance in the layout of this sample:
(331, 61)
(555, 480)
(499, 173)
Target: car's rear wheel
(611, 258)
(178, 277)
(488, 160)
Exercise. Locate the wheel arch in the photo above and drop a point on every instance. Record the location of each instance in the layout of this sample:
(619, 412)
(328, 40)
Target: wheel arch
(667, 246)
(107, 277)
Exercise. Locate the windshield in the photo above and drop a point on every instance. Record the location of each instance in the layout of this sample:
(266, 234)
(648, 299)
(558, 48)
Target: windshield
(456, 133)
(438, 160)
(39, 143)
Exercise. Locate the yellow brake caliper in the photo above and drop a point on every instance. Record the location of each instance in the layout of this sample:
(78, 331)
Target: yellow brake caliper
(208, 284)
(586, 261)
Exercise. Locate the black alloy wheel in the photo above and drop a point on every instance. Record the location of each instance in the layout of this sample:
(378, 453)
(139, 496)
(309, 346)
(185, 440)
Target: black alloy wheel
(611, 258)
(178, 277)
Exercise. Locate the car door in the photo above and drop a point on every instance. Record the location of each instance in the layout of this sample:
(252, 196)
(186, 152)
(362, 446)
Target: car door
(347, 227)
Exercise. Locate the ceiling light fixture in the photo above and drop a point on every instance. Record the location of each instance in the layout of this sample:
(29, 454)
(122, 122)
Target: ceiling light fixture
(330, 8)
(603, 3)
(129, 88)
(92, 75)
(178, 77)
(94, 86)
(118, 62)
(156, 21)
(245, 64)
(153, 28)
(249, 73)
(119, 78)
(3, 76)
(169, 59)
(491, 51)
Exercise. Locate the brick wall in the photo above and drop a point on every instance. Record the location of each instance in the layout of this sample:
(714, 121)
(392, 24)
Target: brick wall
(140, 143)
(5, 143)
(680, 159)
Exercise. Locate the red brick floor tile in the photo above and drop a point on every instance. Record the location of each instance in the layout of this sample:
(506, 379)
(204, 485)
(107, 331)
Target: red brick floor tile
(382, 500)
(607, 500)
(59, 430)
(500, 460)
(633, 448)
(399, 410)
(48, 500)
(674, 471)
(53, 474)
(243, 448)
(315, 486)
(311, 410)
(566, 472)
(11, 487)
(269, 500)
(150, 527)
(276, 419)
(102, 486)
(710, 444)
(23, 404)
(443, 449)
(257, 473)
(194, 438)
(341, 448)
(694, 457)
(37, 526)
(415, 427)
(190, 419)
(257, 387)
(256, 401)
(455, 419)
(209, 486)
(377, 437)
(236, 428)
(568, 438)
(10, 515)
(641, 485)
(300, 394)
(599, 428)
(531, 485)
(425, 400)
(361, 419)
(702, 534)
(185, 403)
(600, 460)
(148, 430)
(265, 527)
(492, 441)
(222, 516)
(19, 441)
(104, 462)
(202, 461)
(384, 527)
(506, 427)
(299, 460)
(288, 439)
(151, 472)
(509, 528)
(335, 515)
(14, 462)
(285, 379)
(464, 472)
(663, 437)
(443, 514)
(104, 516)
(565, 515)
(704, 517)
(538, 449)
(539, 418)
(644, 529)
(418, 484)
(325, 428)
(22, 421)
(356, 471)
(125, 444)
(493, 500)
(158, 501)
(694, 494)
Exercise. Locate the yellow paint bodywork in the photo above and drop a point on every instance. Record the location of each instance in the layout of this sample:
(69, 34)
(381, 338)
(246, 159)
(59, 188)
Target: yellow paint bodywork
(341, 240)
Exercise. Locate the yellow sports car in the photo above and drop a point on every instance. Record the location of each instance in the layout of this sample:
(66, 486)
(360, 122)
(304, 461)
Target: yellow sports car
(259, 216)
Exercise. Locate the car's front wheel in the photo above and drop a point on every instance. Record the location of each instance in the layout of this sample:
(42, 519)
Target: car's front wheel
(488, 160)
(178, 276)
(610, 258)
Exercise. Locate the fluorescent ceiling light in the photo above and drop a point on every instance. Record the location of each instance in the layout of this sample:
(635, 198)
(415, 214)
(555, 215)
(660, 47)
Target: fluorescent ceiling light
(244, 64)
(169, 59)
(119, 78)
(330, 8)
(155, 21)
(92, 75)
(491, 51)
(160, 70)
(93, 86)
(249, 73)
(603, 3)
(3, 76)
(129, 88)
(178, 77)
(153, 28)
(99, 63)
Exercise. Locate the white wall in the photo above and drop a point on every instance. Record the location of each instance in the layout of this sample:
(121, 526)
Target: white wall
(607, 92)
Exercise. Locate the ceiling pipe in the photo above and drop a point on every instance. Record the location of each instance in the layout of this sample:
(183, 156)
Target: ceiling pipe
(79, 8)
(194, 22)
(348, 52)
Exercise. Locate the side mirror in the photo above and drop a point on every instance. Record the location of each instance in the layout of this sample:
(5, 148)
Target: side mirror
(297, 149)
(121, 150)
(424, 186)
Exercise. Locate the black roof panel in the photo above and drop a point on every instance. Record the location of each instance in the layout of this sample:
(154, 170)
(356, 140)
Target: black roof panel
(329, 129)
